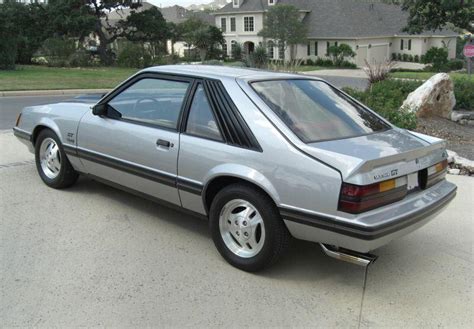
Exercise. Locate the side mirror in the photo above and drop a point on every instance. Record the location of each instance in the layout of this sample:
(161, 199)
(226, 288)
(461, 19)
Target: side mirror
(99, 109)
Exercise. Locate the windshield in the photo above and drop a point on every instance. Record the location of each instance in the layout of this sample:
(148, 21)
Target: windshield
(315, 111)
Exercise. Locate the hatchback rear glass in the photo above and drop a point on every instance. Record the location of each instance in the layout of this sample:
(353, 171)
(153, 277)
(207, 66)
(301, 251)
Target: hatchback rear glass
(315, 111)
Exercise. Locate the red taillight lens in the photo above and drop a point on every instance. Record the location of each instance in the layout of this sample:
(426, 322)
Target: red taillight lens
(355, 199)
(437, 173)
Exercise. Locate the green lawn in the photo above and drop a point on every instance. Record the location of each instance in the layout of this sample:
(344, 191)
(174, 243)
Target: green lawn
(43, 78)
(427, 75)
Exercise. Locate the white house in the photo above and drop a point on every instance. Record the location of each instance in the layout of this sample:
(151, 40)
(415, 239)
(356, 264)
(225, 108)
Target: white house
(372, 29)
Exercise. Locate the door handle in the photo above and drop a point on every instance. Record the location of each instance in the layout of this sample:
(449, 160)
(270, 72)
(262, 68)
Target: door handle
(162, 142)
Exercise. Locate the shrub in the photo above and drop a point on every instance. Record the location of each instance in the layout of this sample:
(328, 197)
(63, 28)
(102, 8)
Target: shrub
(438, 57)
(323, 62)
(378, 71)
(416, 58)
(340, 53)
(386, 98)
(81, 58)
(134, 55)
(349, 65)
(57, 51)
(422, 59)
(410, 58)
(236, 51)
(464, 93)
(399, 57)
(405, 57)
(258, 58)
(394, 56)
(455, 65)
(8, 53)
(309, 62)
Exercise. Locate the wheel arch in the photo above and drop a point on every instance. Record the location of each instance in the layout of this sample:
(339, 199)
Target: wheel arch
(42, 125)
(242, 174)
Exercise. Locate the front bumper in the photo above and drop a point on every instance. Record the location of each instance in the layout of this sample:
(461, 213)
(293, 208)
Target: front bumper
(375, 228)
(24, 137)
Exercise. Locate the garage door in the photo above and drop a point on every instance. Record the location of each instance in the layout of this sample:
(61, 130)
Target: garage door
(361, 56)
(378, 54)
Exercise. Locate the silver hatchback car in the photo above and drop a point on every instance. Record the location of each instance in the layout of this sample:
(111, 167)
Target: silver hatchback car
(265, 156)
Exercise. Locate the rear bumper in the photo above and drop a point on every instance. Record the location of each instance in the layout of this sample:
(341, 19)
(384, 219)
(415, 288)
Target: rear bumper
(375, 228)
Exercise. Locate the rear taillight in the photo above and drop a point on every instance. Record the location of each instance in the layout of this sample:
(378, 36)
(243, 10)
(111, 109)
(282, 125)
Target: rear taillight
(355, 199)
(437, 173)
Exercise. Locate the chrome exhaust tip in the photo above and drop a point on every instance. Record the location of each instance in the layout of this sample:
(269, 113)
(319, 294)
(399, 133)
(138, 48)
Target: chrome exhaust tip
(349, 256)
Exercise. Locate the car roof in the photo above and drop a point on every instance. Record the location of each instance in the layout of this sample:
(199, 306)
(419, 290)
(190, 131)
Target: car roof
(219, 72)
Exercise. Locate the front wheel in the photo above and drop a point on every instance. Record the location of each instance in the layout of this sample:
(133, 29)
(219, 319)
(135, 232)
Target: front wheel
(51, 161)
(247, 228)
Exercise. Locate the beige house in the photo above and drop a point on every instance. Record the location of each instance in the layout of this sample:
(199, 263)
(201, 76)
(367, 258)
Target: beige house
(372, 29)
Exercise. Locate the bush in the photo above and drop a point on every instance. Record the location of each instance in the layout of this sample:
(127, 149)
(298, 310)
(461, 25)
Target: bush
(348, 65)
(340, 53)
(236, 51)
(464, 93)
(410, 58)
(405, 57)
(309, 62)
(394, 56)
(416, 58)
(438, 57)
(455, 65)
(8, 53)
(57, 51)
(386, 98)
(323, 62)
(81, 58)
(399, 57)
(134, 55)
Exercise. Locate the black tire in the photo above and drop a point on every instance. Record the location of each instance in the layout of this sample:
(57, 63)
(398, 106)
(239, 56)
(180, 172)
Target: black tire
(277, 237)
(67, 175)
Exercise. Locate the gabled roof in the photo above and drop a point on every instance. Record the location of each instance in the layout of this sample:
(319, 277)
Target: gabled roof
(342, 18)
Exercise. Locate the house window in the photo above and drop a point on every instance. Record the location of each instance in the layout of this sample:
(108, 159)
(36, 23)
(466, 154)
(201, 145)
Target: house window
(327, 48)
(224, 48)
(401, 44)
(236, 3)
(271, 2)
(335, 43)
(316, 48)
(281, 50)
(409, 44)
(271, 50)
(232, 24)
(224, 24)
(309, 48)
(248, 24)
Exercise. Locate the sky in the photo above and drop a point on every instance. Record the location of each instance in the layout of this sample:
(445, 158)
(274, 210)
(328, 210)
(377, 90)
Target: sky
(184, 3)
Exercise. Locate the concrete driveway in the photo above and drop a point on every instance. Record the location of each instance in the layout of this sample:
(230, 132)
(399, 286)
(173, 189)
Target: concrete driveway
(95, 256)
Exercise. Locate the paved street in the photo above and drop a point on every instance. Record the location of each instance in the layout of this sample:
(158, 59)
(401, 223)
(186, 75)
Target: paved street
(95, 256)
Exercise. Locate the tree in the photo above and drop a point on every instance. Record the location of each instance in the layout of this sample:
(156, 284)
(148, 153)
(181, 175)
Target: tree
(147, 26)
(435, 15)
(204, 39)
(283, 25)
(340, 52)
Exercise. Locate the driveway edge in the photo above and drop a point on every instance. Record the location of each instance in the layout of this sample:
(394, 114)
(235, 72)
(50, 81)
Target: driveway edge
(52, 92)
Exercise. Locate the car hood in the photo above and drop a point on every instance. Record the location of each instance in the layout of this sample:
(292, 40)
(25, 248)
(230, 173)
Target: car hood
(379, 156)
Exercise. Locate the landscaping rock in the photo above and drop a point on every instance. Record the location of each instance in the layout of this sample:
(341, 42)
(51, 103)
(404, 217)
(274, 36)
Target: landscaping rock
(433, 98)
(459, 165)
(457, 116)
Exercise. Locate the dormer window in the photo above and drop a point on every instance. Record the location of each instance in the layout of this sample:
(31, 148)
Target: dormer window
(236, 3)
(271, 2)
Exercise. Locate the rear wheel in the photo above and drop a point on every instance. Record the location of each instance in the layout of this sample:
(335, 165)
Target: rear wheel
(247, 228)
(51, 162)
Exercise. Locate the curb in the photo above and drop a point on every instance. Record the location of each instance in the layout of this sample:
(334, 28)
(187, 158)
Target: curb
(52, 92)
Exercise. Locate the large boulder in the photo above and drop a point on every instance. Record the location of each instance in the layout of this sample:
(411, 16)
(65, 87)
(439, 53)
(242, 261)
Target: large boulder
(433, 98)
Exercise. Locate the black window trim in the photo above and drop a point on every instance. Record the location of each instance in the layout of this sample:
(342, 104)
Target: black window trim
(150, 75)
(350, 98)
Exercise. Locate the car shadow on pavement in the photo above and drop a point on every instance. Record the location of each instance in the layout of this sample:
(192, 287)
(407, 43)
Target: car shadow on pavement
(304, 261)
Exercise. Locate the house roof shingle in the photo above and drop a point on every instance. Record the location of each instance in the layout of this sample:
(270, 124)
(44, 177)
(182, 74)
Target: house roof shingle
(343, 18)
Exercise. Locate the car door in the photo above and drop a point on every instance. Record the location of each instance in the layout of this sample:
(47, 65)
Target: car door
(135, 143)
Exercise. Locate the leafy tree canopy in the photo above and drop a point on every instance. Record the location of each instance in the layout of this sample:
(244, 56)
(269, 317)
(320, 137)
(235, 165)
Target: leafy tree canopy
(283, 24)
(436, 14)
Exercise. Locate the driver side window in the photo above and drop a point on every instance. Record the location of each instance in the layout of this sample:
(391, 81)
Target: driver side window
(153, 101)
